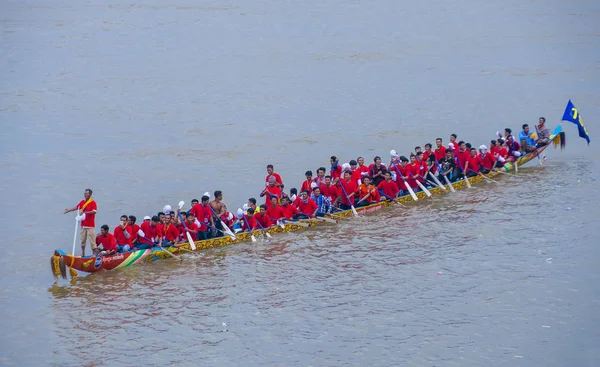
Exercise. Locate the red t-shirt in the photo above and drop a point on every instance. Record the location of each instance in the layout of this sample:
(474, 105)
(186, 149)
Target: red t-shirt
(90, 219)
(198, 211)
(307, 207)
(335, 173)
(149, 231)
(462, 157)
(120, 235)
(474, 163)
(262, 219)
(389, 188)
(503, 152)
(108, 242)
(306, 186)
(488, 161)
(439, 153)
(249, 222)
(169, 232)
(275, 212)
(331, 192)
(350, 187)
(191, 226)
(415, 171)
(364, 170)
(273, 191)
(455, 146)
(356, 176)
(400, 174)
(277, 178)
(289, 211)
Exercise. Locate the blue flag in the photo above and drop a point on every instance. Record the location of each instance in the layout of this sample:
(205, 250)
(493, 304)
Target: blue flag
(572, 114)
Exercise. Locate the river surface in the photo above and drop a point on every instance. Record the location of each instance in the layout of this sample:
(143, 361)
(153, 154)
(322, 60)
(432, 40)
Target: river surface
(152, 102)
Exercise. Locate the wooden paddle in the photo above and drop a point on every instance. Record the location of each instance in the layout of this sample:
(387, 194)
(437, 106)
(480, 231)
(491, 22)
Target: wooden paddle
(421, 186)
(437, 181)
(227, 230)
(75, 234)
(410, 190)
(263, 229)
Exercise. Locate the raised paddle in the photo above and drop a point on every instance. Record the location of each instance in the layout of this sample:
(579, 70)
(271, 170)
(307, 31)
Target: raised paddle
(249, 229)
(189, 236)
(410, 190)
(143, 235)
(350, 201)
(421, 186)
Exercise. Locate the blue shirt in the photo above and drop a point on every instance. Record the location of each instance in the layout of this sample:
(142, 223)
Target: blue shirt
(323, 204)
(527, 138)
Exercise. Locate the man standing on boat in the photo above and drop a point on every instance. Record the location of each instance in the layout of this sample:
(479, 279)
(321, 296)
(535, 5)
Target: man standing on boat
(271, 173)
(87, 214)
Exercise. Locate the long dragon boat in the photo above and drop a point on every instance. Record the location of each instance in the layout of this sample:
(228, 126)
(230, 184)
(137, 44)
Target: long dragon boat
(60, 261)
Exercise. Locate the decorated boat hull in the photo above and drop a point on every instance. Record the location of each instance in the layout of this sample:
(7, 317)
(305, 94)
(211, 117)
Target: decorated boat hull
(60, 261)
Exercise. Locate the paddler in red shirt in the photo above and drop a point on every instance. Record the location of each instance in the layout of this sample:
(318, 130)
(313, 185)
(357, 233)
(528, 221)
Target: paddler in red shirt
(427, 153)
(106, 242)
(87, 214)
(461, 155)
(135, 228)
(320, 179)
(274, 211)
(330, 191)
(364, 170)
(347, 191)
(389, 187)
(453, 142)
(190, 226)
(356, 173)
(336, 170)
(271, 173)
(440, 150)
(169, 235)
(306, 184)
(487, 158)
(150, 230)
(289, 211)
(473, 164)
(271, 191)
(307, 206)
(415, 171)
(249, 221)
(423, 167)
(262, 218)
(123, 235)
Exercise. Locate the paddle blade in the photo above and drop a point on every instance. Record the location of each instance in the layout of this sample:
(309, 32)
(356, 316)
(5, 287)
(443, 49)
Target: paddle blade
(191, 241)
(141, 233)
(181, 204)
(268, 234)
(253, 238)
(354, 210)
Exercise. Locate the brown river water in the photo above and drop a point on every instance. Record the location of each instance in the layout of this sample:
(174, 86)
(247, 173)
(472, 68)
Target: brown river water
(150, 102)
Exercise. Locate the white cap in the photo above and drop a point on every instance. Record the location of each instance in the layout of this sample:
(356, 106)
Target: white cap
(313, 185)
(482, 147)
(147, 217)
(240, 213)
(346, 167)
(451, 146)
(245, 207)
(393, 153)
(207, 194)
(167, 209)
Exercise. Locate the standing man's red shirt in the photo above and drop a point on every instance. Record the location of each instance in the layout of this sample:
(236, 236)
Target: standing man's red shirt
(90, 218)
(273, 191)
(277, 179)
